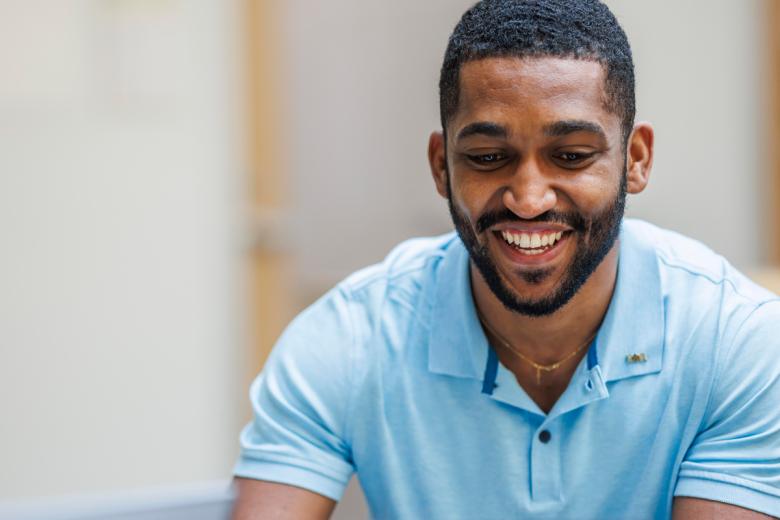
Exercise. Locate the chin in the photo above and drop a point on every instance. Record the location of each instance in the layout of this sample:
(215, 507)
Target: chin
(534, 285)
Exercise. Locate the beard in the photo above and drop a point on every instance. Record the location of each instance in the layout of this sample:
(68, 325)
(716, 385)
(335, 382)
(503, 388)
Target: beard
(595, 237)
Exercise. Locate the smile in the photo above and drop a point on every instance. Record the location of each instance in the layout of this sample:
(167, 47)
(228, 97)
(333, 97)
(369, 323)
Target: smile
(531, 244)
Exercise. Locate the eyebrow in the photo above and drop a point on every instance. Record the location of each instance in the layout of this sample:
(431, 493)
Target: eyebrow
(557, 129)
(482, 128)
(561, 128)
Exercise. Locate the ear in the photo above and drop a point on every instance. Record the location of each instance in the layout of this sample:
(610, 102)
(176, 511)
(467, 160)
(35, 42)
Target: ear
(639, 157)
(437, 159)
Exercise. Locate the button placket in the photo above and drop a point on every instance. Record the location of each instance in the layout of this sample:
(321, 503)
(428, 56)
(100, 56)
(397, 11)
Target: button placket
(546, 465)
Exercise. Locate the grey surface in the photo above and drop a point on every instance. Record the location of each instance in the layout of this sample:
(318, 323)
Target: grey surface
(199, 501)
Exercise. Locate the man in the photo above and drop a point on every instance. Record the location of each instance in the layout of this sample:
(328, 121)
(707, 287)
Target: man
(549, 361)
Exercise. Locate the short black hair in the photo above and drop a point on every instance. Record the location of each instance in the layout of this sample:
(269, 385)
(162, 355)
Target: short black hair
(580, 29)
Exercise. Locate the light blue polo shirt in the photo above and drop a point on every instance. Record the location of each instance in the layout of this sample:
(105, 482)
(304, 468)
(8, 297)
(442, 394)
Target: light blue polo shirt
(390, 375)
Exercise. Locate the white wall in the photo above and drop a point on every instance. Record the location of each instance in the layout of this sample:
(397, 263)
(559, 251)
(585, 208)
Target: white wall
(119, 315)
(363, 100)
(699, 76)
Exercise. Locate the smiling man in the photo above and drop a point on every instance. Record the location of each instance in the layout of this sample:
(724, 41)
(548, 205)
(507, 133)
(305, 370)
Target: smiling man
(551, 359)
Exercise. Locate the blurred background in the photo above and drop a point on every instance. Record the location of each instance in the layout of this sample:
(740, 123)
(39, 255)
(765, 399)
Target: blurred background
(178, 178)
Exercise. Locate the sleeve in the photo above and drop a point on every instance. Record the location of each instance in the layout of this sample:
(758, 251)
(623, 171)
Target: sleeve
(735, 458)
(301, 401)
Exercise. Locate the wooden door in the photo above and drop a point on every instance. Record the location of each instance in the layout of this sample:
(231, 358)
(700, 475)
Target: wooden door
(773, 142)
(271, 294)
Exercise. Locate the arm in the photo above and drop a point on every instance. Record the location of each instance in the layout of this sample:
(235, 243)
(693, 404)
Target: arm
(688, 508)
(259, 499)
(296, 451)
(732, 468)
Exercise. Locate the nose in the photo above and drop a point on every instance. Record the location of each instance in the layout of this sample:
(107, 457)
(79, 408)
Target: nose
(529, 193)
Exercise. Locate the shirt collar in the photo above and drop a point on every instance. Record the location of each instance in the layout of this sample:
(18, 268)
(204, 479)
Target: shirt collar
(633, 325)
(630, 341)
(457, 345)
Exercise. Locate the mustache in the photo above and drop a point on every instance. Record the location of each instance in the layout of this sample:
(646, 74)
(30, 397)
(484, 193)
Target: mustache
(491, 218)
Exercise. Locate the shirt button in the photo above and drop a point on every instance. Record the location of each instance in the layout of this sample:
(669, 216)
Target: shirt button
(544, 436)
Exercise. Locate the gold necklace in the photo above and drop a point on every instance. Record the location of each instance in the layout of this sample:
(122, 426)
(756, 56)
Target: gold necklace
(538, 366)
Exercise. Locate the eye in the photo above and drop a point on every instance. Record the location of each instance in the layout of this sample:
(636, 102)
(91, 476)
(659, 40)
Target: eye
(574, 159)
(487, 159)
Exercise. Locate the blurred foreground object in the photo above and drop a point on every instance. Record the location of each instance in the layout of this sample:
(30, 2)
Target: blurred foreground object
(200, 501)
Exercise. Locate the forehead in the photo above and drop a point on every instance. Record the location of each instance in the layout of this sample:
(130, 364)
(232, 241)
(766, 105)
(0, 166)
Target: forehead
(525, 93)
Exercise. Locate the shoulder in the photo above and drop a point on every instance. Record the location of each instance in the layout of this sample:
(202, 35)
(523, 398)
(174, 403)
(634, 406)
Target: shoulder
(343, 317)
(711, 310)
(685, 262)
(403, 277)
(405, 262)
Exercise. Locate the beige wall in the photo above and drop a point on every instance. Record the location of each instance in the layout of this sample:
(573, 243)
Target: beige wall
(119, 304)
(699, 81)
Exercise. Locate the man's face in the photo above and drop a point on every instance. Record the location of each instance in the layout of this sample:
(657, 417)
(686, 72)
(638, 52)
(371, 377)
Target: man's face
(535, 176)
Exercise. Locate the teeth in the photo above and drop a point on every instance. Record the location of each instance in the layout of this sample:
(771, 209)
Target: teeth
(533, 243)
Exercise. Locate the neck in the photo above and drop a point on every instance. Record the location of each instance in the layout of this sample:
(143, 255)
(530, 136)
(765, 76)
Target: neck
(549, 338)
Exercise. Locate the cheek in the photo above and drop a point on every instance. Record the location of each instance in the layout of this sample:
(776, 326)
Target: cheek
(594, 191)
(470, 196)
